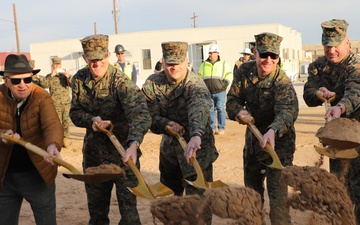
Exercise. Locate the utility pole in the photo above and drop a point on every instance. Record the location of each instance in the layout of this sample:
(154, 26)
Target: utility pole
(95, 32)
(115, 11)
(16, 30)
(194, 20)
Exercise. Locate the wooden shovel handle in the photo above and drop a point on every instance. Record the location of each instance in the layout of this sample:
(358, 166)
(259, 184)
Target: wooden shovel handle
(113, 139)
(41, 152)
(326, 102)
(255, 131)
(323, 99)
(181, 140)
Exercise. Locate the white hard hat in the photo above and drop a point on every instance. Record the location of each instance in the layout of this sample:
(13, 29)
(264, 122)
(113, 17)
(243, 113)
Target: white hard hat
(214, 48)
(246, 51)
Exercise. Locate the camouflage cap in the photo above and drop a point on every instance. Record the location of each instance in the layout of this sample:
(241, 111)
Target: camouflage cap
(334, 32)
(95, 46)
(174, 52)
(56, 60)
(268, 42)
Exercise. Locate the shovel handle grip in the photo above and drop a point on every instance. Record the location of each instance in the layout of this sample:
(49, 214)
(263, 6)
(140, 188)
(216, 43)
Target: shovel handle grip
(323, 99)
(181, 140)
(326, 103)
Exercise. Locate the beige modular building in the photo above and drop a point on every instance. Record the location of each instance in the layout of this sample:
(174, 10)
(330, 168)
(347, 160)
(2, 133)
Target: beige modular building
(144, 48)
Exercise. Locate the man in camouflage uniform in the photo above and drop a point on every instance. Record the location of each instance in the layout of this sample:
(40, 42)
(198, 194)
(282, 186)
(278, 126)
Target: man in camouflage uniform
(58, 82)
(338, 72)
(102, 93)
(263, 92)
(178, 98)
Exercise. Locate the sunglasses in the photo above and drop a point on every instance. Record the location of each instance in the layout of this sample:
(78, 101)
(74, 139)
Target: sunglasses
(267, 54)
(15, 81)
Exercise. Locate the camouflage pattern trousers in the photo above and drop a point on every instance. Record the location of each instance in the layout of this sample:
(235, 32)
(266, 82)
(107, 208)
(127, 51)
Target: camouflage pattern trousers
(63, 112)
(171, 175)
(351, 170)
(99, 196)
(255, 172)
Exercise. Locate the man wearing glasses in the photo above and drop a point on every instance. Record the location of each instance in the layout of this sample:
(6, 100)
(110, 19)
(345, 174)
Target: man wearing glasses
(27, 111)
(262, 93)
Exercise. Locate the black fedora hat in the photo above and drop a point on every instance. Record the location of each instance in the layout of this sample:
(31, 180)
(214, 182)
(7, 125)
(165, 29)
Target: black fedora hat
(17, 64)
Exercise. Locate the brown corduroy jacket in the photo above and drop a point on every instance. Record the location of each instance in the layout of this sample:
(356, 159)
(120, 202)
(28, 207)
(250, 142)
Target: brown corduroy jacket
(40, 125)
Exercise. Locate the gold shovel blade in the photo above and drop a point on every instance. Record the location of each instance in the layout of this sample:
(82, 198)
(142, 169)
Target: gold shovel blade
(336, 153)
(200, 181)
(155, 191)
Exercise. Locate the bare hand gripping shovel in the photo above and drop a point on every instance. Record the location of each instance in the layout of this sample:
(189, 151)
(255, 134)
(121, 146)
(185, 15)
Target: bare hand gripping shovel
(142, 189)
(200, 181)
(76, 174)
(276, 164)
(333, 152)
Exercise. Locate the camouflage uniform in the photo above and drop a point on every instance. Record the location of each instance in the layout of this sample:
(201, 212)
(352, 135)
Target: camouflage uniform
(343, 79)
(273, 104)
(59, 88)
(188, 104)
(116, 98)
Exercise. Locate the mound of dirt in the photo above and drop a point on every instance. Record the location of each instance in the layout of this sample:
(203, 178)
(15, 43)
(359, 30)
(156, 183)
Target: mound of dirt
(317, 190)
(105, 169)
(175, 210)
(239, 203)
(341, 133)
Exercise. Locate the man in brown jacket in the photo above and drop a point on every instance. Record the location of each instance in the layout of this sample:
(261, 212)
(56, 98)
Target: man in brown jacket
(27, 111)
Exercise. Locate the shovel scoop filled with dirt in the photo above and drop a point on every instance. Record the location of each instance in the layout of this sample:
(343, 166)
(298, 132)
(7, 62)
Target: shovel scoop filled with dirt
(340, 133)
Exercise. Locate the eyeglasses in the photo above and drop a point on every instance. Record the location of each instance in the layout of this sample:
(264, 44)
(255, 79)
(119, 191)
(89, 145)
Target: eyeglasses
(15, 81)
(267, 54)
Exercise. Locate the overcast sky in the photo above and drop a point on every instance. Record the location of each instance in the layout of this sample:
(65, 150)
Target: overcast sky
(40, 20)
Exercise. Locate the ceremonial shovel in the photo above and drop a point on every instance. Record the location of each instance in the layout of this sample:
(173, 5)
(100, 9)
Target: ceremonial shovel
(88, 178)
(333, 152)
(276, 164)
(142, 189)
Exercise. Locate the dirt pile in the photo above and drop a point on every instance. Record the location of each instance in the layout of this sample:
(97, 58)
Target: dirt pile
(239, 203)
(105, 169)
(242, 205)
(340, 133)
(175, 210)
(317, 190)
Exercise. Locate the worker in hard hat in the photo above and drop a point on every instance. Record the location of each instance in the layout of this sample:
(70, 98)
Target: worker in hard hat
(246, 57)
(126, 66)
(217, 75)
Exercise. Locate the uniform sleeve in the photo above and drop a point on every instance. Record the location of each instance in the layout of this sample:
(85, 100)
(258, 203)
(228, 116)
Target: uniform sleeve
(136, 110)
(351, 98)
(43, 82)
(158, 121)
(286, 106)
(198, 106)
(78, 115)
